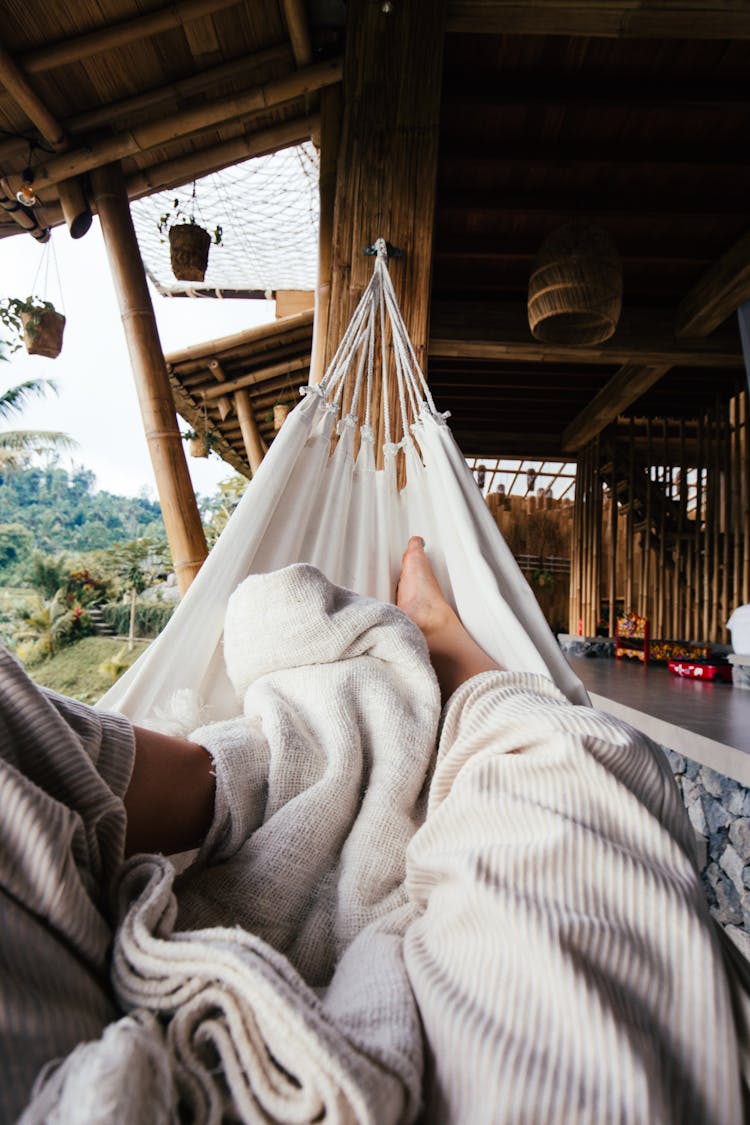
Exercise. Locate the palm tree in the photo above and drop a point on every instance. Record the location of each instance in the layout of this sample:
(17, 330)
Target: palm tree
(16, 444)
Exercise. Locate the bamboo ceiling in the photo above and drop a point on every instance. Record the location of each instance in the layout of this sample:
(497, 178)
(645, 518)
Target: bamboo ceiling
(628, 115)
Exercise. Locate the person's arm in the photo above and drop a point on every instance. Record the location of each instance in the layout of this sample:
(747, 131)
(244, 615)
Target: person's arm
(170, 799)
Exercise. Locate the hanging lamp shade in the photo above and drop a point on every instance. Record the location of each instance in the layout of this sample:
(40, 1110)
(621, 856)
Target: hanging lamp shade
(575, 289)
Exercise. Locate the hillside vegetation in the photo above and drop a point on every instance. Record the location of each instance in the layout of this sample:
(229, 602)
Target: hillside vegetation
(75, 670)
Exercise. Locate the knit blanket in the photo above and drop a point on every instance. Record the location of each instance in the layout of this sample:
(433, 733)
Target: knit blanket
(275, 962)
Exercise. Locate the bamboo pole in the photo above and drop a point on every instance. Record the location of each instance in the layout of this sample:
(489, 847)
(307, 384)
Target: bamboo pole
(330, 134)
(683, 573)
(661, 476)
(646, 593)
(254, 377)
(630, 522)
(224, 404)
(23, 216)
(613, 529)
(204, 83)
(75, 207)
(16, 85)
(52, 55)
(274, 331)
(182, 169)
(254, 445)
(699, 531)
(726, 517)
(597, 517)
(745, 460)
(142, 138)
(736, 522)
(179, 509)
(299, 35)
(575, 560)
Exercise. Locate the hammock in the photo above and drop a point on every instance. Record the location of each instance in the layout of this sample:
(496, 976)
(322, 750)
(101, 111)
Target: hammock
(350, 520)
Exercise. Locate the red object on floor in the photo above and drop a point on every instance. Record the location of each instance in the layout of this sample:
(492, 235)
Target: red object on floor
(701, 671)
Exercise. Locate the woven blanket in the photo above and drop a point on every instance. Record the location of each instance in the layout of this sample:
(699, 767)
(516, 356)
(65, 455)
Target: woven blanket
(276, 960)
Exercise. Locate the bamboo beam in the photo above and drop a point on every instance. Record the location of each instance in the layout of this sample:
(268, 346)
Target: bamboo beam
(622, 390)
(143, 138)
(387, 169)
(296, 23)
(75, 207)
(206, 82)
(113, 35)
(183, 169)
(255, 447)
(23, 216)
(274, 330)
(658, 19)
(718, 294)
(224, 404)
(485, 330)
(14, 81)
(179, 509)
(254, 377)
(330, 134)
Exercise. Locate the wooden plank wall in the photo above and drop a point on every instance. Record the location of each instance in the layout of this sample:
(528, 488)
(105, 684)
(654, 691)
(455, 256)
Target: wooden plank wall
(684, 564)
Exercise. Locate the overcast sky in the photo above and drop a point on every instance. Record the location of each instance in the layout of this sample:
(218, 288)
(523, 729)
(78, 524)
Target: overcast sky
(97, 403)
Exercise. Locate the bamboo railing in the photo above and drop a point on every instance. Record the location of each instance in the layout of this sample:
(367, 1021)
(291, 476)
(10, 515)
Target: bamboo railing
(674, 546)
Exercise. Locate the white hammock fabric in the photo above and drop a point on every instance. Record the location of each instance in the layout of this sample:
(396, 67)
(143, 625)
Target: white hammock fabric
(352, 522)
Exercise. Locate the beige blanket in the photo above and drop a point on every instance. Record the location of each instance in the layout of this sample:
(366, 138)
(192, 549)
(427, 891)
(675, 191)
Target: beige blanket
(279, 968)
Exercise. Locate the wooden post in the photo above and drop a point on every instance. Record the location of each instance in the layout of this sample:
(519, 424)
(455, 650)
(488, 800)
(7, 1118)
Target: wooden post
(630, 528)
(613, 543)
(330, 131)
(179, 509)
(387, 165)
(254, 446)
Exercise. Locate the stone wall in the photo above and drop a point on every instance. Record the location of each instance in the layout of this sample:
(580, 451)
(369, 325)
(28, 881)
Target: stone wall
(719, 811)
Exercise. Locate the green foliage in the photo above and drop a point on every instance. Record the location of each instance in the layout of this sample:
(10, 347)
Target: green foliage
(216, 510)
(17, 445)
(11, 309)
(63, 513)
(150, 617)
(47, 625)
(74, 671)
(185, 213)
(16, 544)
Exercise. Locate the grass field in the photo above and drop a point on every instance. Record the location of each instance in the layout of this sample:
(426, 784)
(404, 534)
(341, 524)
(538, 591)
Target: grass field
(74, 670)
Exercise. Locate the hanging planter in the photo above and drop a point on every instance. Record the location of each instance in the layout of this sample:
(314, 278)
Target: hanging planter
(200, 444)
(189, 245)
(280, 412)
(43, 331)
(189, 242)
(575, 289)
(34, 323)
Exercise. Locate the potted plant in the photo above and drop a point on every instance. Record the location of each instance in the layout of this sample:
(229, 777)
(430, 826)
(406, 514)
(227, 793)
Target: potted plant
(189, 242)
(544, 578)
(33, 322)
(200, 444)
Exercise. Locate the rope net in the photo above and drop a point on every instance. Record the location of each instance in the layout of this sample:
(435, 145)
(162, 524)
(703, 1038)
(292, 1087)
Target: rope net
(268, 212)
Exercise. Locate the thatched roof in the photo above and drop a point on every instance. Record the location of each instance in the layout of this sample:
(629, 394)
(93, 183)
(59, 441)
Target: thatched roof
(631, 116)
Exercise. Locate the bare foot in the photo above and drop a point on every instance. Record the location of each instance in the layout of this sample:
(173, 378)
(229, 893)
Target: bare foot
(455, 655)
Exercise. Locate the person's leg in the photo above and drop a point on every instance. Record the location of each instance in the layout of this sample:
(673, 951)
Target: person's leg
(565, 964)
(455, 655)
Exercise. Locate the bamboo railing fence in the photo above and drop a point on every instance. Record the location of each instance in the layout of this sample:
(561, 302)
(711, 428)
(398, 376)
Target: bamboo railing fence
(674, 546)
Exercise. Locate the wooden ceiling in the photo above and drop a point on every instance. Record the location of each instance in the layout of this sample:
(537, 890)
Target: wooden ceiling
(633, 116)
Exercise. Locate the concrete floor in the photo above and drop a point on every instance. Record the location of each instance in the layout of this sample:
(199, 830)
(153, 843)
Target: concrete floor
(706, 721)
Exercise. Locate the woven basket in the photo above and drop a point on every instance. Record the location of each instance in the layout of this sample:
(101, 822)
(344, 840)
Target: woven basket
(199, 446)
(43, 332)
(575, 289)
(188, 251)
(280, 412)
